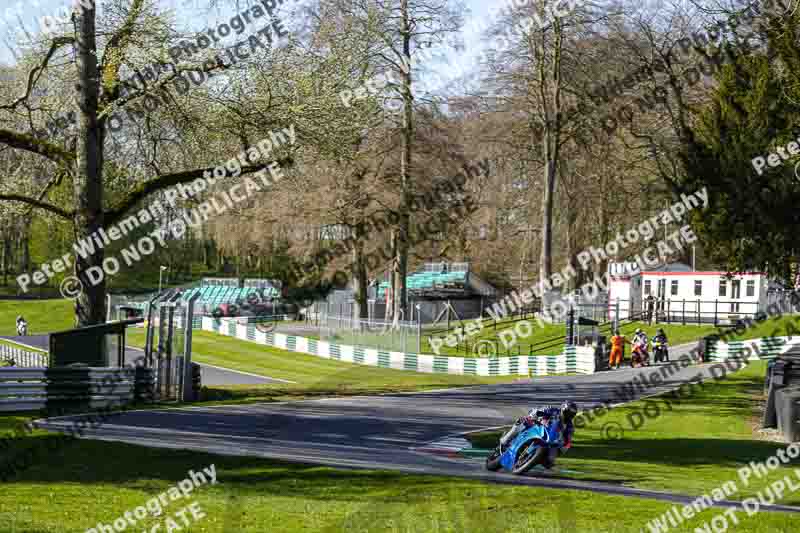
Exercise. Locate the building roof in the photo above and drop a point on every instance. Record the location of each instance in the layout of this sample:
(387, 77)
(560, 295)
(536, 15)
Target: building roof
(700, 273)
(670, 267)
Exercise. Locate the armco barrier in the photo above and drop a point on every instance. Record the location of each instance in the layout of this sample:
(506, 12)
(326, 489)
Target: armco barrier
(575, 359)
(763, 348)
(32, 389)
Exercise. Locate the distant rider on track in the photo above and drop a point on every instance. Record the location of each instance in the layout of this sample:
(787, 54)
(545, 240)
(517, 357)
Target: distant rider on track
(22, 326)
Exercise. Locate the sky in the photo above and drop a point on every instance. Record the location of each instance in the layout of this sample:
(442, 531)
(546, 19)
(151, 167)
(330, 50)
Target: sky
(196, 16)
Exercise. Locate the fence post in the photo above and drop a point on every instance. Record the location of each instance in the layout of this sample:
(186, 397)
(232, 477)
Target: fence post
(419, 332)
(715, 311)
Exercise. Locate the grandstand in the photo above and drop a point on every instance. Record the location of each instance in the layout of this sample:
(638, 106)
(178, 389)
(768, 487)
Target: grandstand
(441, 281)
(215, 294)
(436, 287)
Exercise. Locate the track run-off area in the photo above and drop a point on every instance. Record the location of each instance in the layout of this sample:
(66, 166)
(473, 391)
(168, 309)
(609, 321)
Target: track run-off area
(389, 432)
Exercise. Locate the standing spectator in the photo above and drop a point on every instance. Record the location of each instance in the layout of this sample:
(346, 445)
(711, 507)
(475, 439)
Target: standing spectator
(651, 307)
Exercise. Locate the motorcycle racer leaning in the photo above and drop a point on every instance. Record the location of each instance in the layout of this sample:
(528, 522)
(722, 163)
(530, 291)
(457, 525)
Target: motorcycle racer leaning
(565, 414)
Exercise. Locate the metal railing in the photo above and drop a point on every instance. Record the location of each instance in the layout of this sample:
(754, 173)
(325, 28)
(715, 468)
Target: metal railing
(686, 311)
(17, 357)
(387, 335)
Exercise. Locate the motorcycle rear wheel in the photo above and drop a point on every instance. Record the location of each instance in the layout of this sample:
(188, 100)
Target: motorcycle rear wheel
(538, 457)
(493, 461)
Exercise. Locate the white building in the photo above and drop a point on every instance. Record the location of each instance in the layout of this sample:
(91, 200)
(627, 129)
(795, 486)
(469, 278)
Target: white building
(676, 293)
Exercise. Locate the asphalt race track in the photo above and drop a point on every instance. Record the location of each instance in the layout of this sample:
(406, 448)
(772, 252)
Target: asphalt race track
(378, 432)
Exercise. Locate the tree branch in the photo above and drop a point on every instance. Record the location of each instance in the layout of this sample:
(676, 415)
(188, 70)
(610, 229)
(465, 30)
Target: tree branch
(37, 204)
(169, 180)
(55, 180)
(31, 144)
(36, 72)
(115, 50)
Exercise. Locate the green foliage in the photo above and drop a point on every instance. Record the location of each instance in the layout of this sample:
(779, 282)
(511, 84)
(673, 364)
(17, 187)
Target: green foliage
(752, 221)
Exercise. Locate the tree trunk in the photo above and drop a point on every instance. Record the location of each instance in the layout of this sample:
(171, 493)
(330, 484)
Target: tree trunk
(546, 262)
(88, 181)
(25, 244)
(551, 140)
(359, 271)
(572, 244)
(6, 258)
(389, 313)
(602, 266)
(404, 222)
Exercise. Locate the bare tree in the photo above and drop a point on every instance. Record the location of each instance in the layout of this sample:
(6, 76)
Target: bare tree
(97, 89)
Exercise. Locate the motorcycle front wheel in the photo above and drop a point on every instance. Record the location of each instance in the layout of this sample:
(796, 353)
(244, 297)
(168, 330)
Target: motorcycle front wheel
(524, 463)
(493, 461)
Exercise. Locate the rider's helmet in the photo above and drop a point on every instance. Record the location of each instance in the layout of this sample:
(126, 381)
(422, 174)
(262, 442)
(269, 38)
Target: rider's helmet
(660, 331)
(568, 411)
(638, 330)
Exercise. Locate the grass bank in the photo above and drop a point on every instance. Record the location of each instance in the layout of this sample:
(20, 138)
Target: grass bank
(780, 326)
(81, 483)
(43, 316)
(689, 444)
(313, 376)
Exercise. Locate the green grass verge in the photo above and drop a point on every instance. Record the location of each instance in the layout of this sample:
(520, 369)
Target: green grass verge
(693, 444)
(313, 376)
(82, 483)
(780, 326)
(43, 316)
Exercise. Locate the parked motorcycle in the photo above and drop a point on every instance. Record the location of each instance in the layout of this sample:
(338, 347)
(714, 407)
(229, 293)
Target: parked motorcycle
(660, 351)
(528, 449)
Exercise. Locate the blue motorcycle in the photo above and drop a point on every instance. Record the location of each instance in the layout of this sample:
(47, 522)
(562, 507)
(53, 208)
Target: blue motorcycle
(528, 449)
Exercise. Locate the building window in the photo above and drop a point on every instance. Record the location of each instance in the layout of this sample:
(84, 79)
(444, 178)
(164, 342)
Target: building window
(647, 287)
(673, 288)
(698, 287)
(751, 287)
(723, 288)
